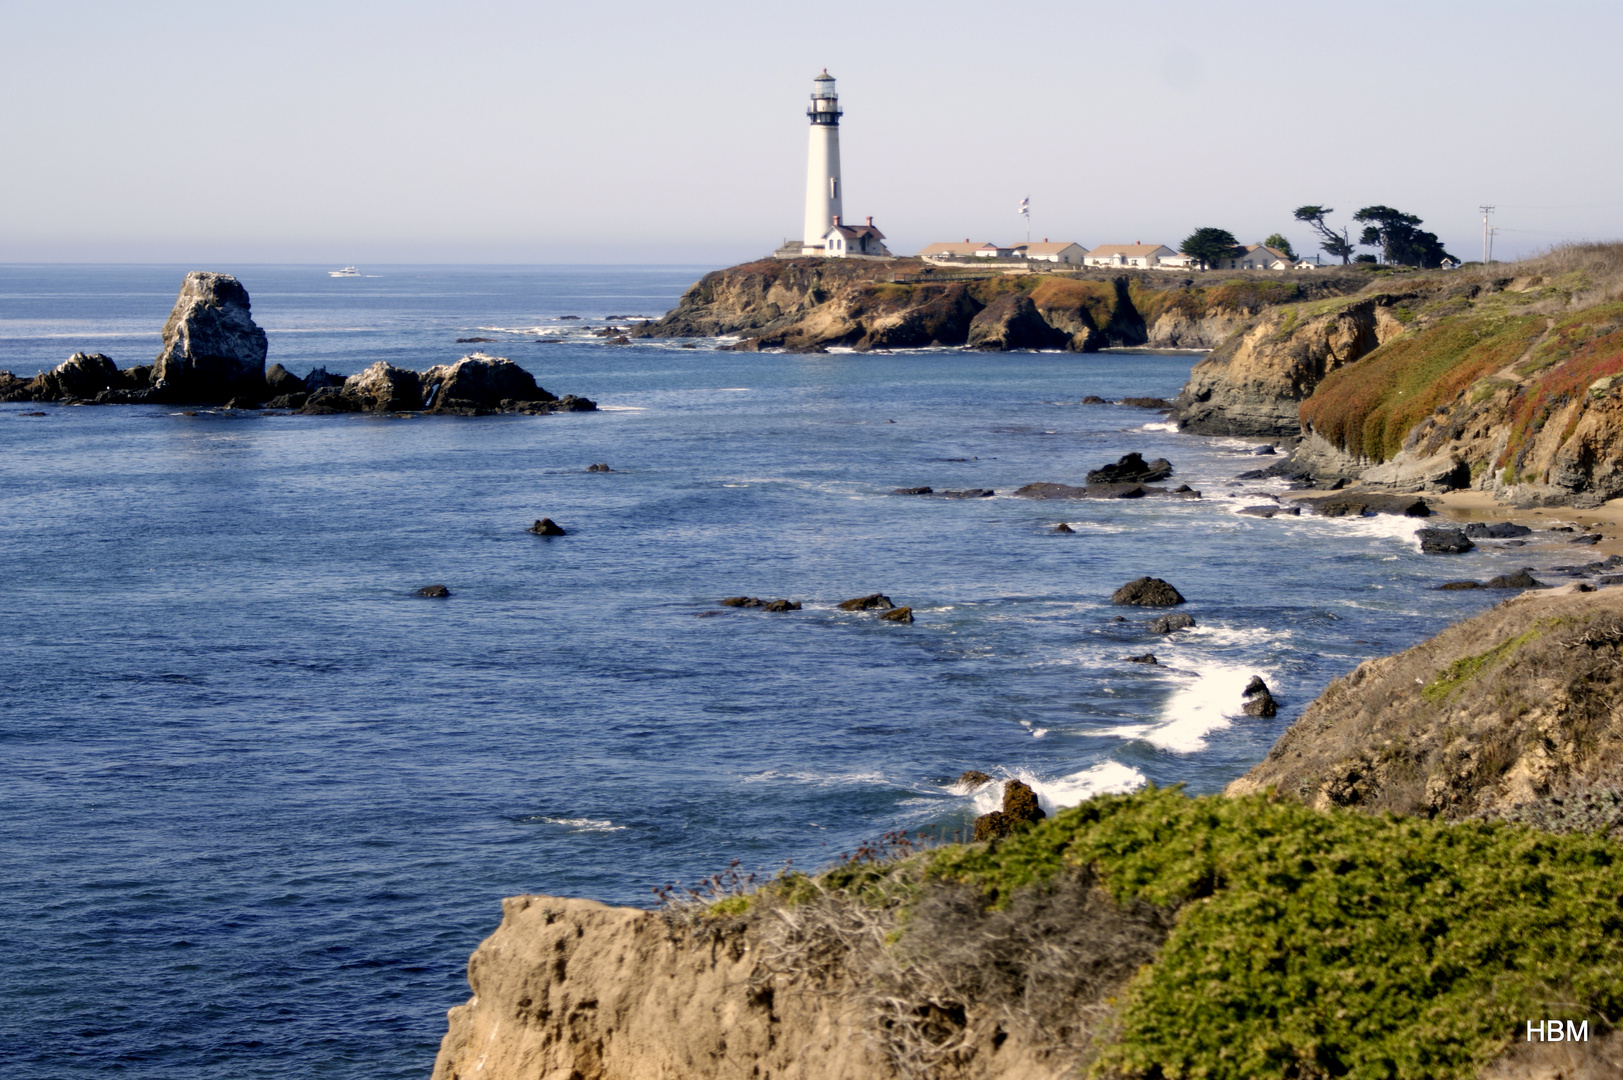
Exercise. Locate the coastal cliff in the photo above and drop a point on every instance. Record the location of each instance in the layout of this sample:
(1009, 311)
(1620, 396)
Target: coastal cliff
(807, 305)
(1507, 380)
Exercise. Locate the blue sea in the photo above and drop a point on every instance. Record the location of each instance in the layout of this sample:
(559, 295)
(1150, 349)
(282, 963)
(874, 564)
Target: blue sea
(261, 801)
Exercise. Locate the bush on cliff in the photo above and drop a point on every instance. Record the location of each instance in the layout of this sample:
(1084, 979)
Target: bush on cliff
(1304, 943)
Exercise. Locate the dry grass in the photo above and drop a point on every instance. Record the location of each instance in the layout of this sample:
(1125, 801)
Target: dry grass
(950, 975)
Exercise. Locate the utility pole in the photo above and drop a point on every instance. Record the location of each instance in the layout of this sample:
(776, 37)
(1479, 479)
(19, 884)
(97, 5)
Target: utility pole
(1486, 247)
(1493, 232)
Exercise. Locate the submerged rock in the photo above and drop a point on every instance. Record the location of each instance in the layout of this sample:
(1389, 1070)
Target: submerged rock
(969, 493)
(1147, 402)
(1521, 579)
(212, 349)
(599, 467)
(901, 614)
(1458, 586)
(1147, 658)
(1147, 592)
(1063, 528)
(436, 592)
(783, 605)
(547, 527)
(973, 778)
(914, 491)
(1131, 468)
(1167, 624)
(1270, 511)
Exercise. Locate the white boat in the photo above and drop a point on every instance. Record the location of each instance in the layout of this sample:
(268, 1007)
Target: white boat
(348, 271)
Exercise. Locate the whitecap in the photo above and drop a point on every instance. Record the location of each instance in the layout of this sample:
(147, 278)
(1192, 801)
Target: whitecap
(1159, 425)
(622, 408)
(1105, 778)
(1208, 701)
(584, 824)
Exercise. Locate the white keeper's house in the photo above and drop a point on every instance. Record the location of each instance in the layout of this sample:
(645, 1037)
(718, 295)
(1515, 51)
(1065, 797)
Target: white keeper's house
(843, 241)
(1135, 255)
(1256, 257)
(1062, 252)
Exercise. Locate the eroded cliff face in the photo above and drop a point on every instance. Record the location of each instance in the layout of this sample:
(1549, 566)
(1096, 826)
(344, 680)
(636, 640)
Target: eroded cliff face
(811, 304)
(1498, 714)
(575, 990)
(1255, 382)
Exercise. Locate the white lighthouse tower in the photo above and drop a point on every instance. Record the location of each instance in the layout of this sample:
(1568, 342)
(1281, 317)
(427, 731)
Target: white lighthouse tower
(822, 164)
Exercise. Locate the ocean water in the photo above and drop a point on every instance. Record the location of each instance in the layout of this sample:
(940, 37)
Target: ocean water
(261, 801)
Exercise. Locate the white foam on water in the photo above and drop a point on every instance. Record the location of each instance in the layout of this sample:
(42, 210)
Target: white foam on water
(820, 779)
(622, 408)
(1105, 778)
(1208, 701)
(584, 824)
(1159, 425)
(733, 389)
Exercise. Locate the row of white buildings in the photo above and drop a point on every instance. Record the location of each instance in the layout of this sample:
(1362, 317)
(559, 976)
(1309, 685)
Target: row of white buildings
(1126, 256)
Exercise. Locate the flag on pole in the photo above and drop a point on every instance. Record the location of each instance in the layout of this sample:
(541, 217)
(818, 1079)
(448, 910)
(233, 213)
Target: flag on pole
(1025, 206)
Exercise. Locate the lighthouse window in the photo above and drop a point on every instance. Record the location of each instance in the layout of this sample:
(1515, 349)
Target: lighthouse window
(834, 187)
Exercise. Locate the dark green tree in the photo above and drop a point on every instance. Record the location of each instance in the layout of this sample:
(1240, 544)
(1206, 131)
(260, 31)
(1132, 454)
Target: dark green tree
(1209, 245)
(1278, 242)
(1336, 244)
(1400, 237)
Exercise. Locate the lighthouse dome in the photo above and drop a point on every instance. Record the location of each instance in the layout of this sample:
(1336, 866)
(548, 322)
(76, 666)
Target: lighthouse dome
(823, 86)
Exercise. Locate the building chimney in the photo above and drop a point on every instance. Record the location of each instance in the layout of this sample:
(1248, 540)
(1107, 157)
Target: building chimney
(966, 239)
(836, 219)
(1045, 239)
(870, 221)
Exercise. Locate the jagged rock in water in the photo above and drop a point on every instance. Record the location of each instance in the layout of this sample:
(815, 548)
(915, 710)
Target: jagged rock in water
(871, 602)
(732, 601)
(1444, 542)
(1147, 403)
(1094, 399)
(599, 467)
(319, 379)
(212, 349)
(1167, 624)
(385, 388)
(1364, 503)
(1271, 511)
(1013, 322)
(327, 401)
(969, 493)
(1257, 700)
(82, 375)
(1020, 810)
(1497, 530)
(1459, 586)
(973, 778)
(480, 382)
(901, 614)
(548, 527)
(1147, 592)
(279, 380)
(783, 605)
(434, 591)
(1063, 528)
(1131, 469)
(914, 491)
(1147, 658)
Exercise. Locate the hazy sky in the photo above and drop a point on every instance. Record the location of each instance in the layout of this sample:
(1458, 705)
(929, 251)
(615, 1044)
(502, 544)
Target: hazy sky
(637, 132)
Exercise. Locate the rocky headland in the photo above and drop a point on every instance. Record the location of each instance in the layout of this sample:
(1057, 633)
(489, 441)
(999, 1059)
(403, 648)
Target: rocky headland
(807, 305)
(214, 354)
(1506, 380)
(1436, 843)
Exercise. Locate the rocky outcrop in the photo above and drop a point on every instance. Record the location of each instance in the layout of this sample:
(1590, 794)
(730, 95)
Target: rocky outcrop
(1131, 469)
(479, 381)
(1020, 809)
(805, 305)
(1254, 383)
(871, 602)
(548, 527)
(1508, 709)
(1012, 322)
(384, 388)
(82, 375)
(1043, 490)
(212, 348)
(1256, 700)
(1147, 592)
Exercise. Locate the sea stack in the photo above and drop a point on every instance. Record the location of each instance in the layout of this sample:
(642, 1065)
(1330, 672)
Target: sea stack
(212, 349)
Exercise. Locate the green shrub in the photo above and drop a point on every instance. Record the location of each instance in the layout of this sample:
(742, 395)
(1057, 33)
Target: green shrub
(1331, 944)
